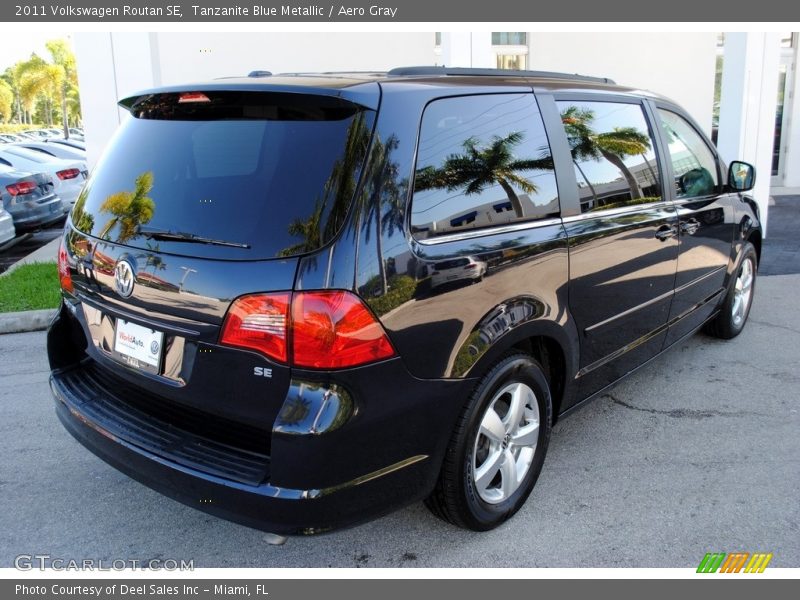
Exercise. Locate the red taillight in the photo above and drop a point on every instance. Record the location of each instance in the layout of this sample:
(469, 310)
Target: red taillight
(328, 329)
(259, 322)
(64, 276)
(21, 188)
(68, 174)
(193, 97)
(470, 266)
(333, 330)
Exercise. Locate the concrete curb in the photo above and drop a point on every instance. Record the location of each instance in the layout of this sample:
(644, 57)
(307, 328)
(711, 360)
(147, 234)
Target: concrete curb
(28, 320)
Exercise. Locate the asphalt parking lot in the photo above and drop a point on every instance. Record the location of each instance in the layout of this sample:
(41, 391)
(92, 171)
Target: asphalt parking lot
(697, 452)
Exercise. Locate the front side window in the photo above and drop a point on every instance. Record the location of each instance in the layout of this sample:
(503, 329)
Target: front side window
(613, 154)
(482, 161)
(693, 164)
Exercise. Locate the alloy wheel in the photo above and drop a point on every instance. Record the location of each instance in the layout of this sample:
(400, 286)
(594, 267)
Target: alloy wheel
(506, 443)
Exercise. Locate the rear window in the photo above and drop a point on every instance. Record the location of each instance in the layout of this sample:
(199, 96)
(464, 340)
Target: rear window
(451, 264)
(269, 171)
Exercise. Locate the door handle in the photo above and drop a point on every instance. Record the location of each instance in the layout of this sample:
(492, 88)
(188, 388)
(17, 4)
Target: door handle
(665, 232)
(690, 227)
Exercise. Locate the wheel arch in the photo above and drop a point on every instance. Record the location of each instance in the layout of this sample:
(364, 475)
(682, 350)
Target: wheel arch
(755, 238)
(553, 345)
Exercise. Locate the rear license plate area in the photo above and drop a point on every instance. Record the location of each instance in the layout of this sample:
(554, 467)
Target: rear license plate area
(137, 346)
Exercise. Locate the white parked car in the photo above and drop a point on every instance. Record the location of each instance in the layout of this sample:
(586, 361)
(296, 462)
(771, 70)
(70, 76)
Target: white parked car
(7, 230)
(55, 150)
(456, 269)
(68, 175)
(35, 134)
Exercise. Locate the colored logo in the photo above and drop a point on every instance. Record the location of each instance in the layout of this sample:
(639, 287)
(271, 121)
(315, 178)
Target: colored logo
(154, 347)
(736, 562)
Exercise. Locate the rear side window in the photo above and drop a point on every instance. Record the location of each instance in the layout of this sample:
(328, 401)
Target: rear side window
(693, 163)
(271, 171)
(482, 161)
(613, 153)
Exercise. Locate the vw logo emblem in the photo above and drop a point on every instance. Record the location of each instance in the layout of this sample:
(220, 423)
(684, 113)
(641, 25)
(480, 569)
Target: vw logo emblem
(124, 278)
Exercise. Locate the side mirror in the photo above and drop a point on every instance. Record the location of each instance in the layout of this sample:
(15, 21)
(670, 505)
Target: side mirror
(741, 176)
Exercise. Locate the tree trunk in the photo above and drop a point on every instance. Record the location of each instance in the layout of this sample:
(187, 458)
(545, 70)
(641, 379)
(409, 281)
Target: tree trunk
(636, 191)
(64, 111)
(513, 198)
(589, 183)
(379, 249)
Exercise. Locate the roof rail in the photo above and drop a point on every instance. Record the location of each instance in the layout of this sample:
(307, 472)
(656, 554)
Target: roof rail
(260, 74)
(422, 71)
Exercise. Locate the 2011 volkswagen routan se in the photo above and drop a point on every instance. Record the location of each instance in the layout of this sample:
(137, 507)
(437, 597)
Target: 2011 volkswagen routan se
(249, 323)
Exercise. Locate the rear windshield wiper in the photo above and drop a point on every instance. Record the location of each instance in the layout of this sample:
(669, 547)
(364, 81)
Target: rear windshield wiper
(179, 236)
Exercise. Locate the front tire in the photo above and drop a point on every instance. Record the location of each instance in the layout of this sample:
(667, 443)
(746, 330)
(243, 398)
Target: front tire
(736, 307)
(498, 447)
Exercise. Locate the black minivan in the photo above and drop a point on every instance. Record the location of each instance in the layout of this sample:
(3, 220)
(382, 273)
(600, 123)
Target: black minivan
(249, 323)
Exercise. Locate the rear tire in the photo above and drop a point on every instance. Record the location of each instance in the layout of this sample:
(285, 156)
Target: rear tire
(498, 447)
(736, 307)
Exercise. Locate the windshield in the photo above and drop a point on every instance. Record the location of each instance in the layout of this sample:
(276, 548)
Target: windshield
(272, 173)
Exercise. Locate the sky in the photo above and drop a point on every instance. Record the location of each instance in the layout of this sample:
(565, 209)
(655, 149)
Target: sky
(19, 45)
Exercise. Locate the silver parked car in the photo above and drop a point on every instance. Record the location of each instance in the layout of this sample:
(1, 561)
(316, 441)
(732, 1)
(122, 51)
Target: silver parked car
(7, 230)
(68, 175)
(30, 199)
(458, 269)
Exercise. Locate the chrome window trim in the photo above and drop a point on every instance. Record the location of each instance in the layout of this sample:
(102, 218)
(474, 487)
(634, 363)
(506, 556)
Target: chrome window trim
(484, 231)
(623, 210)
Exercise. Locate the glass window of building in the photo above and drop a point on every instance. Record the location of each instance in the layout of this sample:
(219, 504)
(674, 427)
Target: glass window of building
(510, 49)
(509, 38)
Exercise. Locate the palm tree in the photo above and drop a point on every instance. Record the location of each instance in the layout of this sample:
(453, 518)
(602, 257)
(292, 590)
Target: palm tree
(6, 101)
(481, 166)
(336, 196)
(613, 145)
(51, 83)
(38, 79)
(309, 230)
(84, 221)
(67, 77)
(129, 210)
(382, 190)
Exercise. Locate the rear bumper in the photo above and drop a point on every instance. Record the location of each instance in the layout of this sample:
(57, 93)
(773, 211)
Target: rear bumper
(265, 507)
(33, 215)
(218, 480)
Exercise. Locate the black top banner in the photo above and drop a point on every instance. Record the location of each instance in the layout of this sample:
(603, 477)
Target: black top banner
(265, 11)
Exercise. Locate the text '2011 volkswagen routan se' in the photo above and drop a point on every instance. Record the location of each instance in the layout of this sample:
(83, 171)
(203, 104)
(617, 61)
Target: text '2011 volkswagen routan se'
(299, 302)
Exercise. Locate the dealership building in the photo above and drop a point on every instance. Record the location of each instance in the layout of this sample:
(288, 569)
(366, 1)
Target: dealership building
(740, 87)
